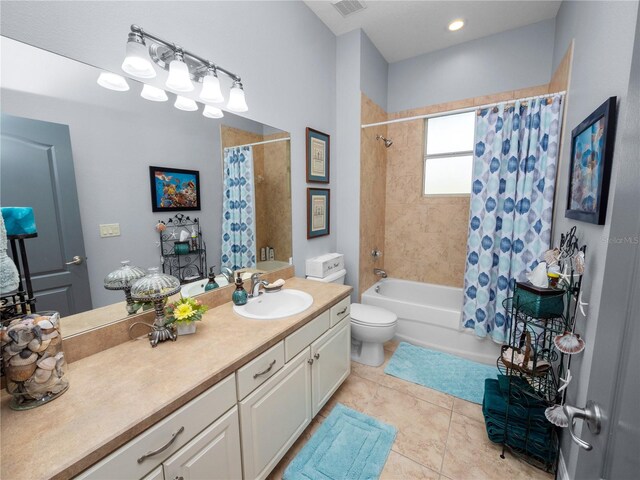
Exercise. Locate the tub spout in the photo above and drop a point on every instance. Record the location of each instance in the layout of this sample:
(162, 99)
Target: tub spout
(379, 272)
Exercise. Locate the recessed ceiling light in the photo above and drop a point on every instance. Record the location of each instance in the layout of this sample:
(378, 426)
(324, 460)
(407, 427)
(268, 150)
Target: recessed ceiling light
(456, 25)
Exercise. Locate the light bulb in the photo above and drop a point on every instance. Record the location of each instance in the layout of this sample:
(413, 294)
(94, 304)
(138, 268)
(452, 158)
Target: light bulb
(211, 88)
(186, 104)
(154, 94)
(179, 79)
(237, 102)
(456, 25)
(212, 112)
(113, 82)
(136, 61)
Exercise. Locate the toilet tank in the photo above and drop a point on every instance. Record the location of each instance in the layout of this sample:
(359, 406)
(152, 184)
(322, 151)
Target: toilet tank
(324, 265)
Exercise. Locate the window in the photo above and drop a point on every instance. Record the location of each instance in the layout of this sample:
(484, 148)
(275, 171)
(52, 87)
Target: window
(448, 160)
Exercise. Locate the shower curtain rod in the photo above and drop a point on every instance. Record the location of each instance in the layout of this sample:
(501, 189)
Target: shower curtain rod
(459, 110)
(260, 143)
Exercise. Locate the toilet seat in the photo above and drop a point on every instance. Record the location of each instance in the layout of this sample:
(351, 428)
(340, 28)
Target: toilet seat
(370, 316)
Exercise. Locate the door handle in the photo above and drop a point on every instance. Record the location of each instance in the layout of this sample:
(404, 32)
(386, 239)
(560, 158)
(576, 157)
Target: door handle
(317, 356)
(77, 260)
(151, 453)
(592, 416)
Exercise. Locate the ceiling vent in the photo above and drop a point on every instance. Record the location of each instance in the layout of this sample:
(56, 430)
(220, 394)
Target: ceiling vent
(347, 7)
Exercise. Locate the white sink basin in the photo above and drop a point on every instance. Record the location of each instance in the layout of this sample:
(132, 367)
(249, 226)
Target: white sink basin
(271, 306)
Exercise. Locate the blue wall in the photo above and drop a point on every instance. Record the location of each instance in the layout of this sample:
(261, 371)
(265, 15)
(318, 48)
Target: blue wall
(505, 61)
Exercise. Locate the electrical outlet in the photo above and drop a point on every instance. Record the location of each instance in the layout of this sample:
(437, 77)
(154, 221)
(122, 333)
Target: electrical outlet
(109, 230)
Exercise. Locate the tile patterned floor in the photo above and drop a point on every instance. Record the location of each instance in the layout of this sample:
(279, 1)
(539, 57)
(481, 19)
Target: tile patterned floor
(440, 437)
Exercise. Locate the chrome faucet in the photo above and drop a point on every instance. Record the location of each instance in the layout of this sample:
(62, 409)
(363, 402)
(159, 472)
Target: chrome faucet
(256, 283)
(227, 273)
(379, 272)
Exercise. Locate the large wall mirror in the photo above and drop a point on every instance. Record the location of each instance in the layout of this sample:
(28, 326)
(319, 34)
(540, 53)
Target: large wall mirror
(80, 156)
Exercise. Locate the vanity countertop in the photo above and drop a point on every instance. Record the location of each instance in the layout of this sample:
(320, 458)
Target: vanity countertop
(118, 393)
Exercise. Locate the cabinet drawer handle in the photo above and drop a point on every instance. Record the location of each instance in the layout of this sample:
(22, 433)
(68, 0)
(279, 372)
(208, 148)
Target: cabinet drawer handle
(316, 356)
(341, 312)
(267, 370)
(163, 448)
(310, 361)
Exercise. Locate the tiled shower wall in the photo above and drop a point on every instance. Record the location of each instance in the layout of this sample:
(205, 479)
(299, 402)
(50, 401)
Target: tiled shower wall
(373, 167)
(425, 238)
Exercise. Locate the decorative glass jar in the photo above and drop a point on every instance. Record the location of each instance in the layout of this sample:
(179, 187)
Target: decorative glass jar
(33, 359)
(122, 279)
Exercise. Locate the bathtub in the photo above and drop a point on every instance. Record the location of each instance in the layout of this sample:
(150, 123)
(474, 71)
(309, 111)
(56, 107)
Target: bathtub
(429, 315)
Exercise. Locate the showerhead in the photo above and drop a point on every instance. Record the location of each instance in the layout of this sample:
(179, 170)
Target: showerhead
(387, 142)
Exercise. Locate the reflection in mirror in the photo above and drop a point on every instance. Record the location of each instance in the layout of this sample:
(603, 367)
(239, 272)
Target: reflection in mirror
(79, 155)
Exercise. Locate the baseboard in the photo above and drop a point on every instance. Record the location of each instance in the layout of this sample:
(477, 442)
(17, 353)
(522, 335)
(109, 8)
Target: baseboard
(562, 468)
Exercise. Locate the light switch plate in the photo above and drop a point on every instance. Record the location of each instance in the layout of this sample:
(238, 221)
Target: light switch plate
(109, 230)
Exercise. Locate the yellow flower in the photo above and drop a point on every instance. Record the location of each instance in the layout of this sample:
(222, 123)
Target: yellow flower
(183, 311)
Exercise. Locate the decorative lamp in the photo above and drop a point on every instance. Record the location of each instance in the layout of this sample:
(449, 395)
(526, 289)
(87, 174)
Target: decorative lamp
(211, 87)
(237, 102)
(137, 61)
(112, 81)
(122, 279)
(179, 79)
(154, 94)
(156, 287)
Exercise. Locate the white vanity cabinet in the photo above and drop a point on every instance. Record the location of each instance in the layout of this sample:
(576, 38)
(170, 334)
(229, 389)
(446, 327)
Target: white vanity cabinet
(274, 415)
(331, 355)
(242, 427)
(214, 454)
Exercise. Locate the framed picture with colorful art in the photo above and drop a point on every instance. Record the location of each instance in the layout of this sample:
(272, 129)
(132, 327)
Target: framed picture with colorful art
(318, 144)
(318, 204)
(590, 165)
(174, 189)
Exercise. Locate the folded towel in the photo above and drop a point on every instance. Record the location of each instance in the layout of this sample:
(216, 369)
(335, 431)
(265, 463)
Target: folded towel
(494, 405)
(522, 393)
(533, 443)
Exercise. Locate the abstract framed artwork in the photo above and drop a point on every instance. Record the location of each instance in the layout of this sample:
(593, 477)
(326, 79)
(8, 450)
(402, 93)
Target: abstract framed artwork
(318, 205)
(590, 165)
(174, 189)
(318, 146)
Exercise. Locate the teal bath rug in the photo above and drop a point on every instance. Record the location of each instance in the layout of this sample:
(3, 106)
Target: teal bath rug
(447, 373)
(347, 446)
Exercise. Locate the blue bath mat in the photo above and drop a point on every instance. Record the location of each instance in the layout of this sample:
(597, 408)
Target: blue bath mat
(447, 373)
(347, 446)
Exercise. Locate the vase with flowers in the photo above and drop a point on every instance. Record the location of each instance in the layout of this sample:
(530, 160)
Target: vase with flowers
(184, 314)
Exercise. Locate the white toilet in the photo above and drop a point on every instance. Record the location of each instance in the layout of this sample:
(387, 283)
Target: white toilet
(371, 327)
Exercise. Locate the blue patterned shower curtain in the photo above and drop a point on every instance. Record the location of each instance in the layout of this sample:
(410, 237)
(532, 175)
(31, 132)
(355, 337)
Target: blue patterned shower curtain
(238, 209)
(514, 172)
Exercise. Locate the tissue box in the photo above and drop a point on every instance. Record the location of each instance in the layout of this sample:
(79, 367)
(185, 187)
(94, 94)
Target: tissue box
(19, 220)
(539, 302)
(324, 265)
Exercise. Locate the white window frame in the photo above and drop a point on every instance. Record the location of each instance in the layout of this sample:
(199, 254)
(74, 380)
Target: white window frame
(442, 155)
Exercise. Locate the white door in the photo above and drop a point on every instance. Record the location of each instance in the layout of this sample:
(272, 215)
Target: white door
(274, 416)
(331, 355)
(213, 454)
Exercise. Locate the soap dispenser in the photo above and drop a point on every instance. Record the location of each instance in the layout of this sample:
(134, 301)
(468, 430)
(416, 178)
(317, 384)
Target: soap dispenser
(211, 284)
(240, 296)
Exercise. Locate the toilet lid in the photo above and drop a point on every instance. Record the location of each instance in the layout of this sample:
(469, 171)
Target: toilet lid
(370, 315)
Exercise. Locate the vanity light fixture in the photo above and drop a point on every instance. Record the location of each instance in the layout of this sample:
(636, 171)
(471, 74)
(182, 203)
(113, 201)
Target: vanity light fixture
(113, 82)
(212, 112)
(211, 86)
(237, 102)
(185, 68)
(154, 94)
(456, 25)
(186, 104)
(137, 61)
(179, 79)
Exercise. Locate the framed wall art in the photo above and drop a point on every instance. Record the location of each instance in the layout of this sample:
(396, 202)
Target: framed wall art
(590, 165)
(318, 144)
(174, 189)
(318, 204)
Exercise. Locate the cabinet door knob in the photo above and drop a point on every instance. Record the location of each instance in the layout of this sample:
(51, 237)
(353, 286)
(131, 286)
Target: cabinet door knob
(316, 356)
(310, 361)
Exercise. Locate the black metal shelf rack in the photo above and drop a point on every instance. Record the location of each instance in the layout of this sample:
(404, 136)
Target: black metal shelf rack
(190, 265)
